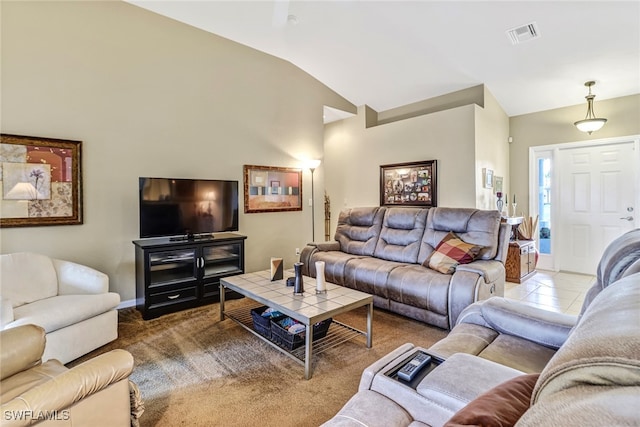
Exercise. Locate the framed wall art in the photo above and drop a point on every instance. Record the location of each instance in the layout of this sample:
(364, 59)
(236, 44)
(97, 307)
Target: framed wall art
(41, 181)
(497, 184)
(409, 184)
(272, 189)
(487, 177)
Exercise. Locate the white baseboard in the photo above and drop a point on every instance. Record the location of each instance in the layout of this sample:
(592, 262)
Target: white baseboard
(126, 304)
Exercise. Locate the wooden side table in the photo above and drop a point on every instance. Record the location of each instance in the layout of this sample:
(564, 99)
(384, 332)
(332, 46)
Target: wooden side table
(515, 222)
(521, 260)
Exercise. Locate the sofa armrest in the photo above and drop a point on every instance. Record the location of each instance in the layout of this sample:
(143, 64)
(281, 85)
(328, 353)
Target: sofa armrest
(381, 364)
(73, 385)
(490, 270)
(544, 327)
(328, 246)
(21, 348)
(310, 249)
(76, 279)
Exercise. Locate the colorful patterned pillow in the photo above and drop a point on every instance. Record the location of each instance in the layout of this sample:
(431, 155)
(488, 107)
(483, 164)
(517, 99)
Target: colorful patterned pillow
(450, 252)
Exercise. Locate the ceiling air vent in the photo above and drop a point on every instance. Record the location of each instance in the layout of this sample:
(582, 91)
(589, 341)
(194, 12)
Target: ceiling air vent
(523, 33)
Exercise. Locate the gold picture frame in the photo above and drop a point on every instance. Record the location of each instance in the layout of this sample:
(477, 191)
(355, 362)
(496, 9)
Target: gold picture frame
(272, 189)
(41, 181)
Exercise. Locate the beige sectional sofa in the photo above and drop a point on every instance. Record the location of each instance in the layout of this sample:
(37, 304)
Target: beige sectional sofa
(508, 363)
(381, 251)
(71, 302)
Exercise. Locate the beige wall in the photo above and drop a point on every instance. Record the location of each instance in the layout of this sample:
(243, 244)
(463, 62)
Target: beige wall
(492, 148)
(152, 97)
(465, 132)
(354, 153)
(556, 127)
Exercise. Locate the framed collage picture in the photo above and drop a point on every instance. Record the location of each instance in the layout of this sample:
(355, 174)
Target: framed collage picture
(409, 184)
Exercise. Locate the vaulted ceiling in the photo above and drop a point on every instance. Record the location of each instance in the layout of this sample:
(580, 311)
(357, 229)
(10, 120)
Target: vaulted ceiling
(387, 54)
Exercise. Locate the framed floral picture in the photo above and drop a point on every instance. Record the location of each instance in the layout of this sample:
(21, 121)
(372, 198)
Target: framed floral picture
(409, 184)
(41, 181)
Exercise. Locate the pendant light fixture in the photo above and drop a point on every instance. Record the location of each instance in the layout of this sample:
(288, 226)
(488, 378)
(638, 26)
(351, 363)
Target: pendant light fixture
(590, 123)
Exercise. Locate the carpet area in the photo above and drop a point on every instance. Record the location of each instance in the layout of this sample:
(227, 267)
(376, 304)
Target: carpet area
(193, 370)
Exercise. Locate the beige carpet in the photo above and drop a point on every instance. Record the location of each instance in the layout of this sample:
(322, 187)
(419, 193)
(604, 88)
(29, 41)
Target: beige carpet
(194, 370)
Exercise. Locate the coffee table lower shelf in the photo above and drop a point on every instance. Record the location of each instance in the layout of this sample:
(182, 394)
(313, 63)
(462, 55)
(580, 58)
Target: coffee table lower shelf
(338, 333)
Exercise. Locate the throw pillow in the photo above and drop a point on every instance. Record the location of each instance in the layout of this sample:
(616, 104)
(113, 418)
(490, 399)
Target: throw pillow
(501, 406)
(450, 252)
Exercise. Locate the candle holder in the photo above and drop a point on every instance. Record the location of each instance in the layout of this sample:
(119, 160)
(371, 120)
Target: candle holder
(298, 285)
(514, 205)
(499, 202)
(321, 284)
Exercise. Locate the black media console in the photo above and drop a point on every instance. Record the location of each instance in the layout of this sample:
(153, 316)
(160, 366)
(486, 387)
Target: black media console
(173, 275)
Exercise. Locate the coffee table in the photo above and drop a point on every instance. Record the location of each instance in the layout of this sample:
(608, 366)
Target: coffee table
(309, 309)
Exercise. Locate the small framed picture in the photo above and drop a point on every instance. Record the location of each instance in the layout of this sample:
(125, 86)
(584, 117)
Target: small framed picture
(487, 175)
(497, 184)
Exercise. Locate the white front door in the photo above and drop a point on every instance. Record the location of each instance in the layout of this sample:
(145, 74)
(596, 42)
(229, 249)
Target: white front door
(597, 197)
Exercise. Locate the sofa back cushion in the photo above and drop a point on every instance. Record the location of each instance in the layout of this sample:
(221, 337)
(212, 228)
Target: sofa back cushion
(358, 230)
(402, 231)
(603, 348)
(479, 227)
(620, 258)
(597, 364)
(27, 277)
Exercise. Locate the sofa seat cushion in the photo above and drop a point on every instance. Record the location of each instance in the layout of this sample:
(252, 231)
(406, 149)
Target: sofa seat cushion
(420, 287)
(61, 311)
(334, 264)
(369, 275)
(465, 338)
(503, 405)
(369, 408)
(17, 384)
(482, 341)
(518, 353)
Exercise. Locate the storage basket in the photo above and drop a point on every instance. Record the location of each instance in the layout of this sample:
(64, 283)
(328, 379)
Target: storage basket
(283, 338)
(262, 324)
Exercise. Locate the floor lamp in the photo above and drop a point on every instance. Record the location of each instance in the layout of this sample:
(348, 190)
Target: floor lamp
(312, 165)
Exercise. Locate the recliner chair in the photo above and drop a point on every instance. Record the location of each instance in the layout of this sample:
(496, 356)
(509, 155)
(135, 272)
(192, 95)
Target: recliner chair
(94, 393)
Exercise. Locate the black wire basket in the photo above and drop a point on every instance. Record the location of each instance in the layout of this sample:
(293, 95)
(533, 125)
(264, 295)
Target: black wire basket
(284, 339)
(262, 324)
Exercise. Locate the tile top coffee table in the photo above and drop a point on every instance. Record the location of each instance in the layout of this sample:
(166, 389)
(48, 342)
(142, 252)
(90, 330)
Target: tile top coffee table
(309, 309)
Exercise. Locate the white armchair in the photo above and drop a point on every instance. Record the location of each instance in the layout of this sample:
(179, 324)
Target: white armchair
(71, 302)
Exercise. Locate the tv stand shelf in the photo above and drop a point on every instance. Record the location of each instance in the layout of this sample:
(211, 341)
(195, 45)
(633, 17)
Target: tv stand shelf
(173, 275)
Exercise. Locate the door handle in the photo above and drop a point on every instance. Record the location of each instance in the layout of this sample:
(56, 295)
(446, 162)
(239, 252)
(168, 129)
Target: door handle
(628, 218)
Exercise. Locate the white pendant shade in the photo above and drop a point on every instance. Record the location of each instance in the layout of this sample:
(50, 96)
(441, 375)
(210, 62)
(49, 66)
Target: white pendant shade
(591, 123)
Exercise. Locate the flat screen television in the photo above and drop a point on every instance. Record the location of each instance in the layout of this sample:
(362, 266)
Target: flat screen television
(187, 207)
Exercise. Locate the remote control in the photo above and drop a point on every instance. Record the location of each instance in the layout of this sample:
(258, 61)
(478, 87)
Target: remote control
(412, 367)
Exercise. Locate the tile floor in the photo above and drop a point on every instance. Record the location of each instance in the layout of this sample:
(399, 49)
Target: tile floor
(555, 291)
